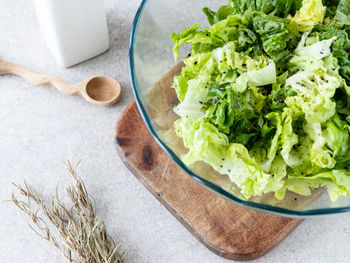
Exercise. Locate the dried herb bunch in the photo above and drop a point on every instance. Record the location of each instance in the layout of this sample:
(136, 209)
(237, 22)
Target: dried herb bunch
(83, 236)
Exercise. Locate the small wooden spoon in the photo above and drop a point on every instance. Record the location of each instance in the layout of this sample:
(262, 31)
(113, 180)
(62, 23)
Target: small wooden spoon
(100, 90)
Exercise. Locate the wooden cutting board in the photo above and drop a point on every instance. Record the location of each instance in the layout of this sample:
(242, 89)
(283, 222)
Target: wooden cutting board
(227, 229)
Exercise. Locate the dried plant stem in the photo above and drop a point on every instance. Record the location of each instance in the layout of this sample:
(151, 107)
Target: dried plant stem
(85, 238)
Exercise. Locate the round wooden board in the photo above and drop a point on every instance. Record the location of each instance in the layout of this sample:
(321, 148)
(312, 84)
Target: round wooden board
(229, 230)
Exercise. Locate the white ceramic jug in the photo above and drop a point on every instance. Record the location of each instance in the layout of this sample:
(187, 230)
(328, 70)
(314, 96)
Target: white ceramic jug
(74, 30)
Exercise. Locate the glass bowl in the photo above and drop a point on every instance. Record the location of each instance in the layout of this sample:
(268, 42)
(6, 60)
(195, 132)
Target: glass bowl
(152, 68)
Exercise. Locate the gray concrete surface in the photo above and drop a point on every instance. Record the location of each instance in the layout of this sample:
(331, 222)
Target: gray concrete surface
(40, 128)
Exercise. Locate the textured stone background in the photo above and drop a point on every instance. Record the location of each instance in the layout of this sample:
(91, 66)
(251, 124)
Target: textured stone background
(40, 128)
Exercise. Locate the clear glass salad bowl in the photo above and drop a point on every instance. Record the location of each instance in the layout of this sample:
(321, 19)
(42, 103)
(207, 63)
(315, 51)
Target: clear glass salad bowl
(151, 58)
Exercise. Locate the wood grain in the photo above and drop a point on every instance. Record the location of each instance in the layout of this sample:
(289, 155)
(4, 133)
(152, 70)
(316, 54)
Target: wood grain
(228, 230)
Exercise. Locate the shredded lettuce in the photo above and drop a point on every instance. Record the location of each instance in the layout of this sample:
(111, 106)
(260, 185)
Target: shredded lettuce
(265, 103)
(310, 14)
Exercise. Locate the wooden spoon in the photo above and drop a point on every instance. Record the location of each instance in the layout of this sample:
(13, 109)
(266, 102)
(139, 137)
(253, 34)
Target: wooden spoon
(100, 90)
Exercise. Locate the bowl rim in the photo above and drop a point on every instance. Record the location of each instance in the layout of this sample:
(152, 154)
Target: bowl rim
(252, 205)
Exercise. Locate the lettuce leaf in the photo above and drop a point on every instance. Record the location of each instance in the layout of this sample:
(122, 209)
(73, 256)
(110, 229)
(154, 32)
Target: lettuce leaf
(336, 181)
(340, 47)
(206, 143)
(274, 34)
(342, 16)
(314, 85)
(282, 7)
(310, 14)
(180, 39)
(336, 136)
(320, 155)
(264, 76)
(318, 50)
(196, 93)
(244, 171)
(222, 13)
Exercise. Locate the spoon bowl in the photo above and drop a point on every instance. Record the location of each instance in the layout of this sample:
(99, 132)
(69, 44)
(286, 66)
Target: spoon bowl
(102, 90)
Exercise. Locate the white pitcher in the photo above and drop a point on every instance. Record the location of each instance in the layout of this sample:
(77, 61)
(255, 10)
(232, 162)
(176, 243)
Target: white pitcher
(74, 30)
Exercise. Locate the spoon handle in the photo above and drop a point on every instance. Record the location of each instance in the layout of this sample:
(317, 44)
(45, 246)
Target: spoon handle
(37, 79)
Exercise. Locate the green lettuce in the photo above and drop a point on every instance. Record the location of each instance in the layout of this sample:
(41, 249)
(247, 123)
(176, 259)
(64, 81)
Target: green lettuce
(310, 14)
(274, 34)
(342, 16)
(336, 136)
(206, 143)
(340, 47)
(336, 181)
(265, 105)
(245, 31)
(280, 7)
